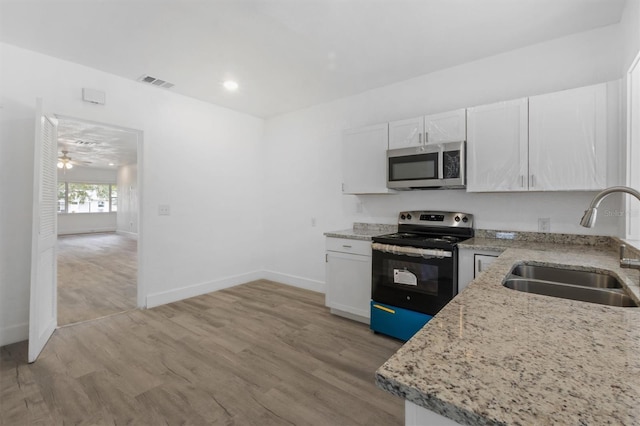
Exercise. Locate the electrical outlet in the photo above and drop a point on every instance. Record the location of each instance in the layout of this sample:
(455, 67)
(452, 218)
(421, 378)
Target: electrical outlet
(313, 222)
(505, 235)
(544, 224)
(359, 207)
(164, 210)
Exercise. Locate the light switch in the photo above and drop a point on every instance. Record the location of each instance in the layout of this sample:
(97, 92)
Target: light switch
(164, 210)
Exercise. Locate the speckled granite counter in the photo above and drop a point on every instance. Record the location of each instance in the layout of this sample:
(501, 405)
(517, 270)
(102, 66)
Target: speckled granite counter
(499, 356)
(363, 231)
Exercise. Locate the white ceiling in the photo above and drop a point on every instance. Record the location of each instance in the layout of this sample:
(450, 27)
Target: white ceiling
(288, 54)
(96, 145)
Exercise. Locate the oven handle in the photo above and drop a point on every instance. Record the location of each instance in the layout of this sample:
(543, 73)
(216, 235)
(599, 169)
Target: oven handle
(411, 251)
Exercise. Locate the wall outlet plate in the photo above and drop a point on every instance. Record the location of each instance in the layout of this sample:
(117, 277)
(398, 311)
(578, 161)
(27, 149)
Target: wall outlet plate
(544, 224)
(506, 235)
(164, 210)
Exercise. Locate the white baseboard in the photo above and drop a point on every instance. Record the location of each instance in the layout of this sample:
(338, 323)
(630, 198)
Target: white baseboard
(118, 231)
(86, 231)
(157, 299)
(294, 280)
(14, 333)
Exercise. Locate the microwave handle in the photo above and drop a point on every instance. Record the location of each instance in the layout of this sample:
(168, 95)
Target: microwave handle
(441, 163)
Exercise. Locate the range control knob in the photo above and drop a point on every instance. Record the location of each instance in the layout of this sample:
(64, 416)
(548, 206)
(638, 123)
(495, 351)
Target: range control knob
(457, 219)
(465, 219)
(409, 216)
(403, 217)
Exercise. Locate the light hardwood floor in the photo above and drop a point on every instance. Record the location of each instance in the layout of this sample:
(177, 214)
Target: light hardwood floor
(261, 353)
(97, 275)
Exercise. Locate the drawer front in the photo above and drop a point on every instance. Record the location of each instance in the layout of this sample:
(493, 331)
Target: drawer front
(396, 322)
(346, 245)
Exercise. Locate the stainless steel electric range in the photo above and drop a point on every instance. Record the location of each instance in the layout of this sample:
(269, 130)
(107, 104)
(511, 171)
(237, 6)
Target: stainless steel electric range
(415, 271)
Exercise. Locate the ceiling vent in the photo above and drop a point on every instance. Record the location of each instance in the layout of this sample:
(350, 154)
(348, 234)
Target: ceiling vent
(84, 143)
(155, 81)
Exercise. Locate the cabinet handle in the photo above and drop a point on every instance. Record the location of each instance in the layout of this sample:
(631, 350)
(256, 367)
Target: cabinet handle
(521, 181)
(479, 265)
(346, 246)
(326, 258)
(426, 137)
(533, 182)
(419, 138)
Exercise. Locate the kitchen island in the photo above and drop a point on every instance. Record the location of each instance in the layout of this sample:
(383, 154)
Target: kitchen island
(499, 356)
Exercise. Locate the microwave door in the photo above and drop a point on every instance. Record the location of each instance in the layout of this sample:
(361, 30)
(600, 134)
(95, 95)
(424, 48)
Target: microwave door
(413, 168)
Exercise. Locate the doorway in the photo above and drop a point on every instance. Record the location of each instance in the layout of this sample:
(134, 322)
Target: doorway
(98, 211)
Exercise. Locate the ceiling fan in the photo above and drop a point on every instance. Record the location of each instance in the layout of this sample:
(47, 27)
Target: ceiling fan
(65, 162)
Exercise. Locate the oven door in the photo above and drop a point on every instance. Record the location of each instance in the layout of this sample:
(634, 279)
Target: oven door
(420, 280)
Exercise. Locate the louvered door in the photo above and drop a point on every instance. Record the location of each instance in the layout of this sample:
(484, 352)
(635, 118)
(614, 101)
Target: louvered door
(43, 305)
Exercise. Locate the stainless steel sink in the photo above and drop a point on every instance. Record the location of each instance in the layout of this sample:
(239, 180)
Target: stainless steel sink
(585, 286)
(567, 276)
(602, 296)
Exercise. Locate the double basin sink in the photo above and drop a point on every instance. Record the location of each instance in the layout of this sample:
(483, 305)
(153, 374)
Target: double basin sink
(585, 286)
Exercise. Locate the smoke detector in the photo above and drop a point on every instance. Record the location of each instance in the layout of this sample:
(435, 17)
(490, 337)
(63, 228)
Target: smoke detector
(155, 81)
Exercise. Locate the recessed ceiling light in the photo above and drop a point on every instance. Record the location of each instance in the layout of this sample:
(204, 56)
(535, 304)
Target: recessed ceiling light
(230, 85)
(111, 164)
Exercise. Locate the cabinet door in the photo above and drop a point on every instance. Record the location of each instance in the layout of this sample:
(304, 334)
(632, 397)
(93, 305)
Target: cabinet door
(364, 160)
(446, 127)
(348, 283)
(482, 262)
(568, 140)
(471, 262)
(406, 133)
(497, 136)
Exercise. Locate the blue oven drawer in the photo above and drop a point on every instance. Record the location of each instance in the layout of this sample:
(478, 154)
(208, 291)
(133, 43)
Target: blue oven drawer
(396, 322)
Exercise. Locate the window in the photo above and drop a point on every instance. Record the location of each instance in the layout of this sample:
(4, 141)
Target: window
(114, 198)
(86, 197)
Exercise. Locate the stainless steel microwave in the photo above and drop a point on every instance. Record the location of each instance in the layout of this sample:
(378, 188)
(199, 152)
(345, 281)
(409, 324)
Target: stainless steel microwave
(427, 166)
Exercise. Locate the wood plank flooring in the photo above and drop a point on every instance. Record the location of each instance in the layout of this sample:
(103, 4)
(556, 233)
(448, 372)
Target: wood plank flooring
(97, 275)
(261, 353)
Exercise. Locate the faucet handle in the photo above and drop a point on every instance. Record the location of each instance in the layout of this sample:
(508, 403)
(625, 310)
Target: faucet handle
(623, 247)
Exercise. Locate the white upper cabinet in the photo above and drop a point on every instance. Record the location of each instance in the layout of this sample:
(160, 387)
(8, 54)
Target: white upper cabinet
(364, 160)
(437, 128)
(552, 142)
(497, 136)
(568, 140)
(406, 133)
(446, 127)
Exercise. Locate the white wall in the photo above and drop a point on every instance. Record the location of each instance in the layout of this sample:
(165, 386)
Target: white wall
(78, 223)
(195, 249)
(304, 177)
(87, 175)
(630, 27)
(83, 223)
(127, 220)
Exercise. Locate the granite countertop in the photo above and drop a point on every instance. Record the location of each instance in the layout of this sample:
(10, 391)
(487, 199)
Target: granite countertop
(363, 231)
(499, 356)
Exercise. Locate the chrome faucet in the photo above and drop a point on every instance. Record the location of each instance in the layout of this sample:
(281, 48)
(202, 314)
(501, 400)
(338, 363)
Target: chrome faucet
(589, 219)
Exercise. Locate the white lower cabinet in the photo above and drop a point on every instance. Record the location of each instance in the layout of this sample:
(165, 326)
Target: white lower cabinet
(471, 263)
(414, 415)
(348, 278)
